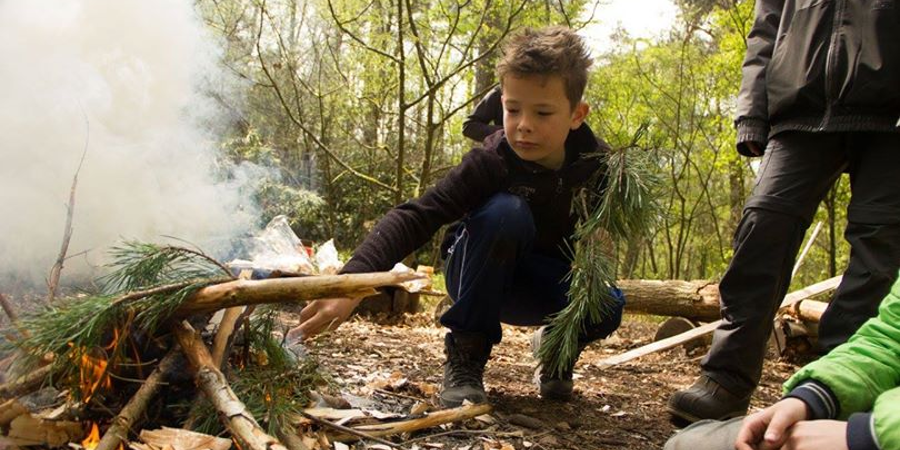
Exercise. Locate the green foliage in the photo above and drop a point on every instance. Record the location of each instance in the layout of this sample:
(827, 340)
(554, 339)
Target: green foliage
(147, 284)
(273, 384)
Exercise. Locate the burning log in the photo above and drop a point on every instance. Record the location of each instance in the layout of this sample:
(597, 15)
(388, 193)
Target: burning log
(212, 382)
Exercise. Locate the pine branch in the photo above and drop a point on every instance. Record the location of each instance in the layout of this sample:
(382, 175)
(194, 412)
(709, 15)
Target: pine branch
(625, 210)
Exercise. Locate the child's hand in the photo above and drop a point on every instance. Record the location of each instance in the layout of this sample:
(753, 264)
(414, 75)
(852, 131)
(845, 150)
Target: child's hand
(768, 429)
(817, 435)
(323, 315)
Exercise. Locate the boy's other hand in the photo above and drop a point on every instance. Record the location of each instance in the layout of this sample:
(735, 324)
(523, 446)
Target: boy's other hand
(323, 315)
(755, 148)
(817, 435)
(768, 429)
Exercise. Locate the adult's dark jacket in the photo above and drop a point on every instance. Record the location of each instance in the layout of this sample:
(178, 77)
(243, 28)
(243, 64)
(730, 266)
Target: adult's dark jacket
(486, 118)
(482, 173)
(820, 66)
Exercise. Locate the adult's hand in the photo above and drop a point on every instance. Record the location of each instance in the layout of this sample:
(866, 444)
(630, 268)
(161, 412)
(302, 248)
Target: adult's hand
(817, 435)
(323, 315)
(768, 429)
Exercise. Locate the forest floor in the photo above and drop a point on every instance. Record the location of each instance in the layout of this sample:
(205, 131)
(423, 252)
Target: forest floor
(395, 364)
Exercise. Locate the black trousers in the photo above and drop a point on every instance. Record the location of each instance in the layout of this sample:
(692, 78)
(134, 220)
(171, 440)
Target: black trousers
(797, 171)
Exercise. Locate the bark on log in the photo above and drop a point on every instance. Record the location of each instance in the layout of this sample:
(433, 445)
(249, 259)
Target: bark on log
(122, 423)
(808, 310)
(695, 300)
(287, 290)
(212, 382)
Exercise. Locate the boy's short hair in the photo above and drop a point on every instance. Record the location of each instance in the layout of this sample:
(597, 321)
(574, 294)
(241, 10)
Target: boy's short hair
(548, 51)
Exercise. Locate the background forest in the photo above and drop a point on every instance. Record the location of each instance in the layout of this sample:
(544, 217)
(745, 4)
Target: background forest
(358, 104)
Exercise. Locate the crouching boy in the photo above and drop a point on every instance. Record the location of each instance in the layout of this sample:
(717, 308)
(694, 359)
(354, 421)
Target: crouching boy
(505, 258)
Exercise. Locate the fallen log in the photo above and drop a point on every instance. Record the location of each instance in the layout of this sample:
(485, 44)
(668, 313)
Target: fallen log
(696, 300)
(212, 382)
(122, 423)
(288, 290)
(674, 341)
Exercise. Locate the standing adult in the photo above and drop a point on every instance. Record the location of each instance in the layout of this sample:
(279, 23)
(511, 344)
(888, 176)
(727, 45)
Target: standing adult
(486, 119)
(820, 96)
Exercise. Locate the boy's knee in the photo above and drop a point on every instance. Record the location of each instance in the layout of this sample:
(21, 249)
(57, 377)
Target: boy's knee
(508, 215)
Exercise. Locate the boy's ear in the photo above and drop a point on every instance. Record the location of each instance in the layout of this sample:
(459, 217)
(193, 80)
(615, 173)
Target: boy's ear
(581, 111)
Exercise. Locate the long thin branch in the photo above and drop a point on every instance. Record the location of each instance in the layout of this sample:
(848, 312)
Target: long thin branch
(287, 290)
(56, 270)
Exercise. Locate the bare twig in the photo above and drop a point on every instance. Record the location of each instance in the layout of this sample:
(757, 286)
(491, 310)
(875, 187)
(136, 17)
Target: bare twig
(56, 270)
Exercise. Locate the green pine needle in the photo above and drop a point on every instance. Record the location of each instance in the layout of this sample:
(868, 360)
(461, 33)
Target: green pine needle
(274, 391)
(148, 283)
(624, 210)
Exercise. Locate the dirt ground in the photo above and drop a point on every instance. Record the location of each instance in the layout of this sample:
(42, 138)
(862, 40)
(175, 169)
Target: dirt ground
(617, 408)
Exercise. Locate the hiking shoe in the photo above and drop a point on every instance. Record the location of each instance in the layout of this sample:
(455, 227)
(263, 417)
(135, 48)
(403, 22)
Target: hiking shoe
(552, 386)
(467, 354)
(707, 399)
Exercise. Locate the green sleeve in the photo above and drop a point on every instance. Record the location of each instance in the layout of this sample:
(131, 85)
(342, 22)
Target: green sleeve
(887, 418)
(865, 368)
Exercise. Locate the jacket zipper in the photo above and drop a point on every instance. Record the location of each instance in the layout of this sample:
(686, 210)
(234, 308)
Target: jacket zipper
(831, 63)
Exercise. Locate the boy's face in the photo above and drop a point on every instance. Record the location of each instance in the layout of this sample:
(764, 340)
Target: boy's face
(537, 118)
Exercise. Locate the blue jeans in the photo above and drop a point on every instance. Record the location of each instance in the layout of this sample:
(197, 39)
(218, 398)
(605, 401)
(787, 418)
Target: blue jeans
(493, 276)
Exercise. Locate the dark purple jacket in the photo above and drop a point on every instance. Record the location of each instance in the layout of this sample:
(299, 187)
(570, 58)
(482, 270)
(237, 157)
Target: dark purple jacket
(482, 173)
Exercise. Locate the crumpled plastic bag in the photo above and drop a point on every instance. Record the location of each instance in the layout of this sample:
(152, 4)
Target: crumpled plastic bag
(277, 248)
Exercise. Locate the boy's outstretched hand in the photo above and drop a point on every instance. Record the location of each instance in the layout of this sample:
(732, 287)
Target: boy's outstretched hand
(768, 429)
(323, 315)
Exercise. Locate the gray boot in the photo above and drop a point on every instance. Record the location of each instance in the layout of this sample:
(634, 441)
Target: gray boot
(557, 386)
(467, 354)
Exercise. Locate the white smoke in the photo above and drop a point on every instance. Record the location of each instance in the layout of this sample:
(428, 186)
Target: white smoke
(130, 71)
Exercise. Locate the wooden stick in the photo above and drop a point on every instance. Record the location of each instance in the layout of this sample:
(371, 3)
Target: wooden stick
(432, 420)
(286, 290)
(56, 270)
(26, 383)
(356, 434)
(223, 334)
(674, 341)
(122, 423)
(212, 382)
(809, 243)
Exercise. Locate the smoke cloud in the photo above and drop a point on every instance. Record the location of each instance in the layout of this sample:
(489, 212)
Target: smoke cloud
(129, 74)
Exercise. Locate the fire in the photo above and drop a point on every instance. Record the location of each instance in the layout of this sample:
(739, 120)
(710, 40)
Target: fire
(93, 438)
(91, 372)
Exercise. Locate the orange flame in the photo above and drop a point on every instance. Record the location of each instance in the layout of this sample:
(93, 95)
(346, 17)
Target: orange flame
(93, 438)
(93, 375)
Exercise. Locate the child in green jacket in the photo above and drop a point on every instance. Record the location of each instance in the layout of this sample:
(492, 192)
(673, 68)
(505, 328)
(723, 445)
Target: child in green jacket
(848, 399)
